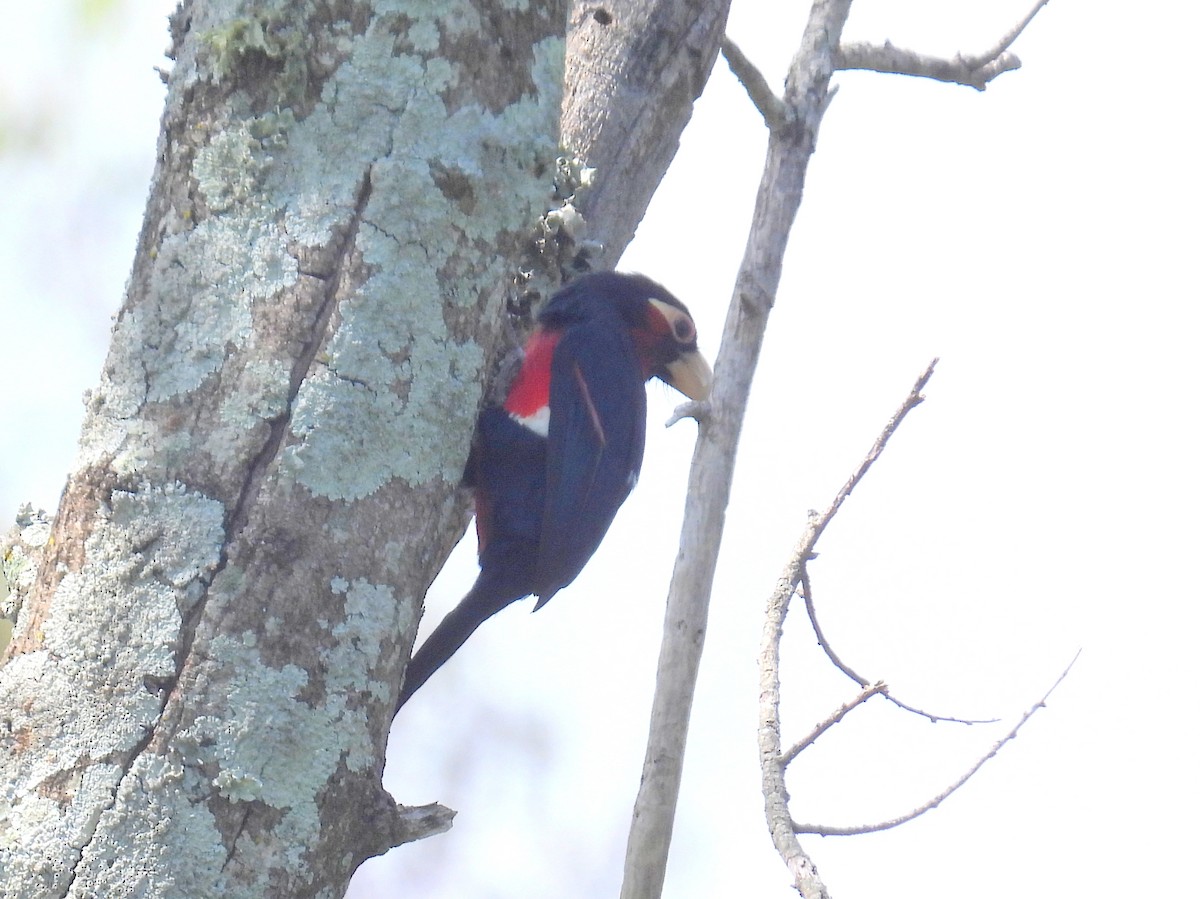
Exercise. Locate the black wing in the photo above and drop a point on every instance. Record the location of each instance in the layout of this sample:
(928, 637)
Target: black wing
(594, 454)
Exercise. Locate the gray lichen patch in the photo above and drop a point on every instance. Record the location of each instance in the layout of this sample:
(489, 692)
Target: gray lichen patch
(443, 186)
(339, 420)
(214, 274)
(158, 796)
(261, 745)
(372, 612)
(209, 280)
(99, 658)
(231, 168)
(448, 184)
(384, 400)
(257, 736)
(155, 548)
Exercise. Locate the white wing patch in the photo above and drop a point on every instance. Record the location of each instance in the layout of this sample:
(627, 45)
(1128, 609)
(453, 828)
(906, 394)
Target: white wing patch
(538, 422)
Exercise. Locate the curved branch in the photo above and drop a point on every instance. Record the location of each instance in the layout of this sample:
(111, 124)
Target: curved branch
(797, 577)
(827, 831)
(810, 606)
(787, 120)
(772, 759)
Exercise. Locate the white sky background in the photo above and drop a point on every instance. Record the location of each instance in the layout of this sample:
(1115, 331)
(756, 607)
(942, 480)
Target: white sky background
(1040, 238)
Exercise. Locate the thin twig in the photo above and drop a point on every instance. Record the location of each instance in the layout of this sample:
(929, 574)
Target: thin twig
(1007, 41)
(841, 712)
(828, 831)
(971, 71)
(914, 399)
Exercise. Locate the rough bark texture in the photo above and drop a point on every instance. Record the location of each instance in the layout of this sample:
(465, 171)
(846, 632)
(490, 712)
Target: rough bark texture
(634, 69)
(198, 692)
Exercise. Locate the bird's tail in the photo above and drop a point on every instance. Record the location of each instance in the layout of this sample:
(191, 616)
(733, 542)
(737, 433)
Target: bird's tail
(493, 590)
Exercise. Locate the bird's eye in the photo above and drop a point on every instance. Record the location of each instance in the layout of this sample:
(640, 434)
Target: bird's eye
(676, 321)
(685, 331)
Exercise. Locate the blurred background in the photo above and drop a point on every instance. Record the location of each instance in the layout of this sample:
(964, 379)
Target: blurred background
(1040, 238)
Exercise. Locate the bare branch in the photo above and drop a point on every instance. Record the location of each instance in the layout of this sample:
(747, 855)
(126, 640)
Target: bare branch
(827, 831)
(788, 757)
(914, 399)
(797, 571)
(970, 71)
(810, 606)
(888, 59)
(802, 120)
(774, 762)
(805, 550)
(1007, 41)
(796, 574)
(772, 759)
(773, 110)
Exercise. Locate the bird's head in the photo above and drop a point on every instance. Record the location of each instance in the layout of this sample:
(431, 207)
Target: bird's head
(663, 333)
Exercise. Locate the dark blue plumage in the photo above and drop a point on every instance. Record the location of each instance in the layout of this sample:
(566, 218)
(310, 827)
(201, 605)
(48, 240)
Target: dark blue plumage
(551, 468)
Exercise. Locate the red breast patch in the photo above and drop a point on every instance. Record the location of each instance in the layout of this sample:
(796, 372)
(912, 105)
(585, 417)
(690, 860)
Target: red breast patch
(529, 396)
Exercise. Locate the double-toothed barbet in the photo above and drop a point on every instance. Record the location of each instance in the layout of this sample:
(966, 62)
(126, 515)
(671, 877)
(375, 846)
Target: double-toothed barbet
(552, 465)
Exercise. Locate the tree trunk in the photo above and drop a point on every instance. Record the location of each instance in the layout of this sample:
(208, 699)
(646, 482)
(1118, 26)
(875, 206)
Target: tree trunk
(202, 680)
(347, 199)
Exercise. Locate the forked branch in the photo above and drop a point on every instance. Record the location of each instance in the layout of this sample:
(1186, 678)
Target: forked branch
(828, 831)
(970, 71)
(834, 717)
(773, 759)
(796, 577)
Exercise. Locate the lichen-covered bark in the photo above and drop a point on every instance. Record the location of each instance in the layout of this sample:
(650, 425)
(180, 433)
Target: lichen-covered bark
(197, 694)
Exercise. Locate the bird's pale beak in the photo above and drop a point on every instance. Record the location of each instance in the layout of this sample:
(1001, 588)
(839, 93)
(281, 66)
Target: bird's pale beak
(690, 375)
